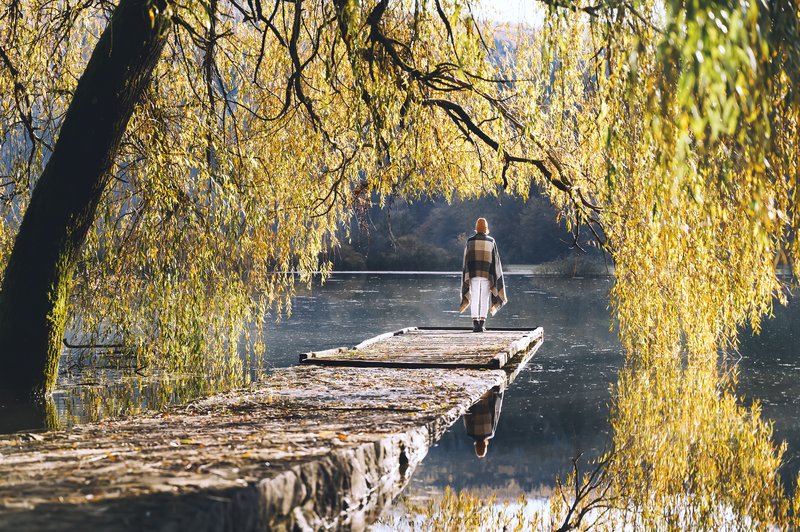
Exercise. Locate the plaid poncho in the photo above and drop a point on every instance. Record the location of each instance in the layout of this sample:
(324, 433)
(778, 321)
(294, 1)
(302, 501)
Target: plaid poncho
(481, 259)
(481, 419)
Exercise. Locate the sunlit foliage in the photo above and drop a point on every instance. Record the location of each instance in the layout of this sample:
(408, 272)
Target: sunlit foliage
(669, 129)
(264, 127)
(687, 118)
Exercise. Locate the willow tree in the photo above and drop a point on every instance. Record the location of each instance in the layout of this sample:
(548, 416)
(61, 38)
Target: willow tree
(678, 121)
(681, 120)
(147, 192)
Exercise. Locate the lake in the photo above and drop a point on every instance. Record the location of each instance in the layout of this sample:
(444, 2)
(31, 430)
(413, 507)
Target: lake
(558, 406)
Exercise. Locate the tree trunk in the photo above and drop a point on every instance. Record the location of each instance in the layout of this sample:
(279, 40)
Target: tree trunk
(36, 285)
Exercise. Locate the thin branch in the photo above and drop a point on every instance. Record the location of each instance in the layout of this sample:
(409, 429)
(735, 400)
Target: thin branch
(92, 346)
(458, 114)
(446, 21)
(583, 503)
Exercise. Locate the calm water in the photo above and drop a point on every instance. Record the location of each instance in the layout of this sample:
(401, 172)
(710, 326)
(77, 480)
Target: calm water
(558, 406)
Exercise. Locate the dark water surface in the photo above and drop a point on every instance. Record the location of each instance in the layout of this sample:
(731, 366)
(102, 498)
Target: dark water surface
(769, 372)
(558, 406)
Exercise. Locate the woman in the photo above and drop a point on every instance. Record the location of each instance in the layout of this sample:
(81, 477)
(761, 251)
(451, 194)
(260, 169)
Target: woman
(482, 287)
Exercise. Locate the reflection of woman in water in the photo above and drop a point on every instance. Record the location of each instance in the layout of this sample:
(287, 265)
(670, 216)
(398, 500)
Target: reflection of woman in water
(481, 420)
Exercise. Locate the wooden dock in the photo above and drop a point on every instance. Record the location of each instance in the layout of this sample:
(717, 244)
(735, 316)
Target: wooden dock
(322, 445)
(426, 347)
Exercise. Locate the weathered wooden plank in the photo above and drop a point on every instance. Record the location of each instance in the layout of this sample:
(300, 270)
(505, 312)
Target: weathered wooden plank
(408, 364)
(423, 329)
(382, 337)
(525, 342)
(523, 356)
(500, 359)
(429, 348)
(319, 354)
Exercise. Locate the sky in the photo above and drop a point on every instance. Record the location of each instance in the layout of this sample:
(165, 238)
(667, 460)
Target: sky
(515, 11)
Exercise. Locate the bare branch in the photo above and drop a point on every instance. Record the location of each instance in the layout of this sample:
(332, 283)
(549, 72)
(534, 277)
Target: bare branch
(446, 21)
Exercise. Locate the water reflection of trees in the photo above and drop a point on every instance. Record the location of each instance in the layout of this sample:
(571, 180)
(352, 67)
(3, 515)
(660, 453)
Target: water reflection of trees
(103, 398)
(686, 453)
(98, 395)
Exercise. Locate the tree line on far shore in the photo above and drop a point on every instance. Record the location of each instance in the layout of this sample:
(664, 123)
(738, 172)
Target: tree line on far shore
(429, 234)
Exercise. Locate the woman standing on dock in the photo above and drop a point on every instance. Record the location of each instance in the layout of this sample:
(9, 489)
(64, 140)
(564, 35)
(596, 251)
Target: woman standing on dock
(482, 286)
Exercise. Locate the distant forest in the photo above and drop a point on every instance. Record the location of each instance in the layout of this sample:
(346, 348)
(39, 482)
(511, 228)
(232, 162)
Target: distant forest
(429, 234)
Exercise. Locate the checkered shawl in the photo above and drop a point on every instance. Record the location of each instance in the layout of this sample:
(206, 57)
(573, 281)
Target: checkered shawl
(481, 259)
(481, 420)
